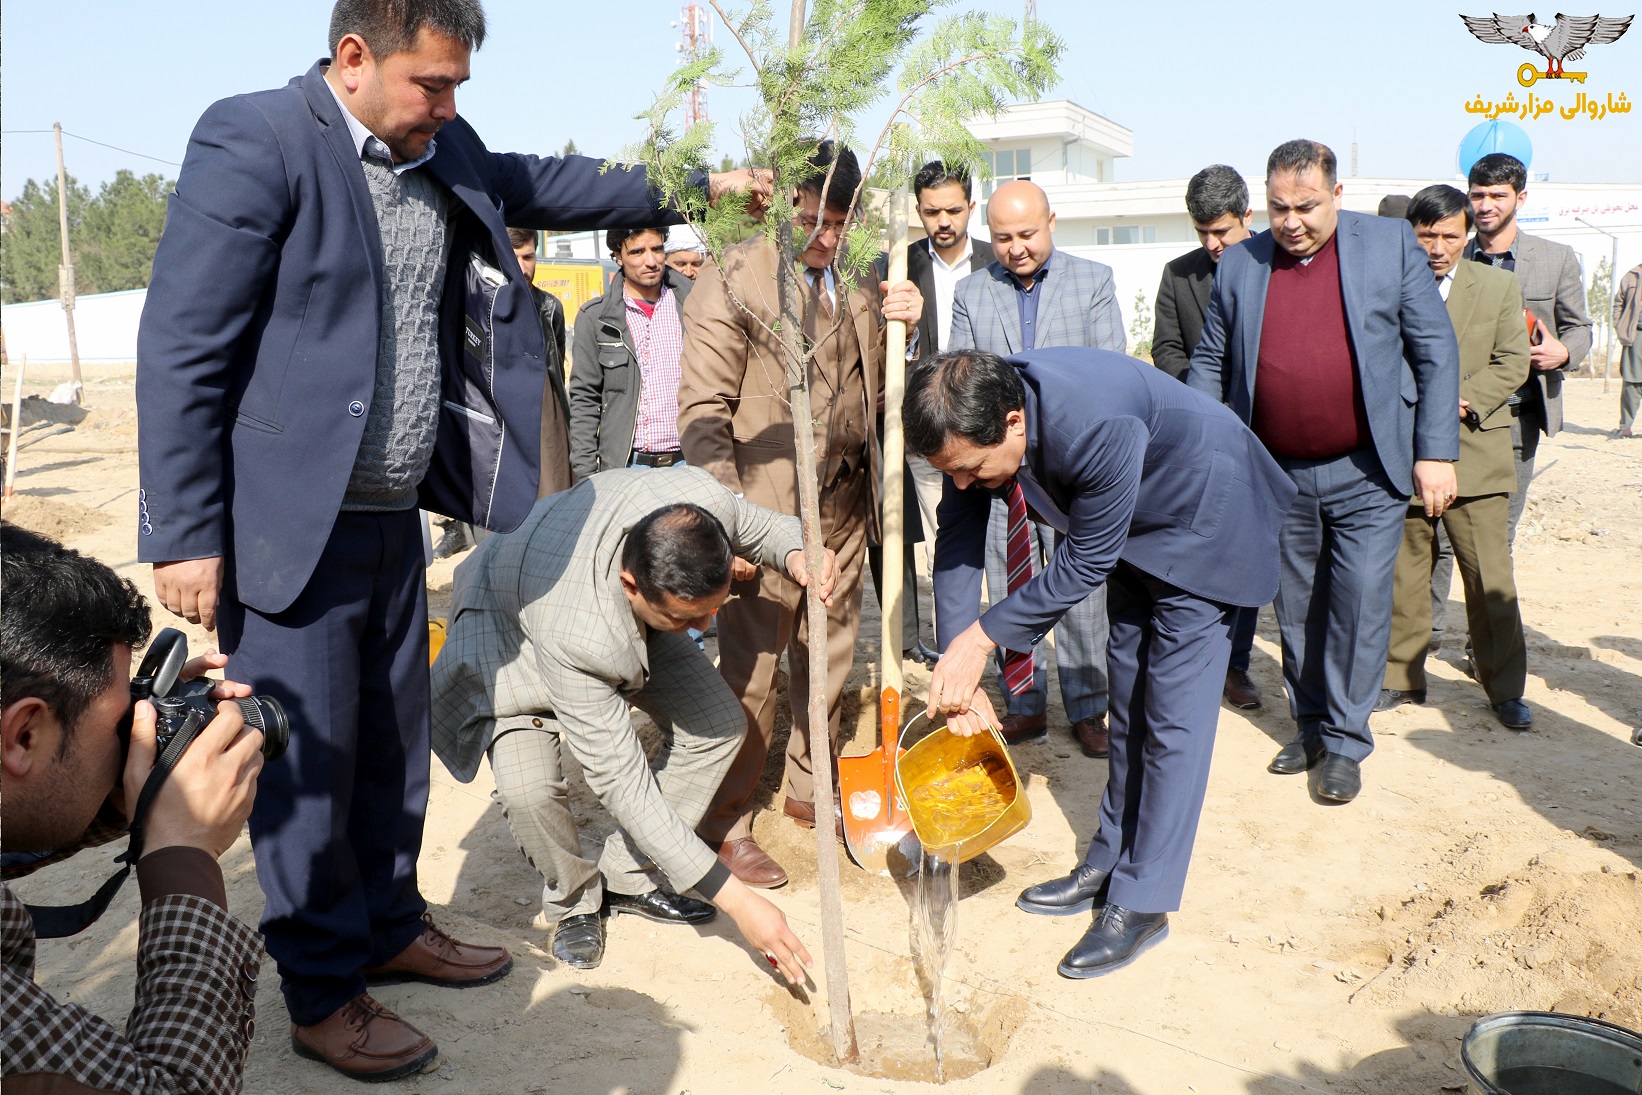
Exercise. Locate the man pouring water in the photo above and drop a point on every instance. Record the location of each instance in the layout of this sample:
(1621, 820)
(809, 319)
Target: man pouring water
(1162, 494)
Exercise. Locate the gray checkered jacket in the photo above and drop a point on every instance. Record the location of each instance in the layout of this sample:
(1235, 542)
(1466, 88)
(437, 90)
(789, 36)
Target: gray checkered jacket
(540, 627)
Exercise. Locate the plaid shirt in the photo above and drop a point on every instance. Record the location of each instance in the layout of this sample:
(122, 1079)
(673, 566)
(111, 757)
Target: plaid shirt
(188, 1031)
(658, 341)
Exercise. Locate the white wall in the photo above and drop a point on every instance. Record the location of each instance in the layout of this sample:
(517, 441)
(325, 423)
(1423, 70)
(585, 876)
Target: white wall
(105, 328)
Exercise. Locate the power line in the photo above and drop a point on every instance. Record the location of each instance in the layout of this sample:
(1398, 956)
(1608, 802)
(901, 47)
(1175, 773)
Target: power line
(103, 144)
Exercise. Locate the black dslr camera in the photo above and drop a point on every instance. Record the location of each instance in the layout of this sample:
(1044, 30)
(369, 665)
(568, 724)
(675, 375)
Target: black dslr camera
(185, 706)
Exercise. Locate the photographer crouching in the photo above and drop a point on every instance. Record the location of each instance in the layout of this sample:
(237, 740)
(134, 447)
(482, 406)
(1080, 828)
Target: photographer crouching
(70, 780)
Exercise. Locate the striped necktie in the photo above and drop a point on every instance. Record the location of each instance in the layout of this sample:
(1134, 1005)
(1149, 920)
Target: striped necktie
(1017, 666)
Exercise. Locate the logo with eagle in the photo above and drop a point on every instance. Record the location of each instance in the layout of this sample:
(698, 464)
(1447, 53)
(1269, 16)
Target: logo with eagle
(1564, 40)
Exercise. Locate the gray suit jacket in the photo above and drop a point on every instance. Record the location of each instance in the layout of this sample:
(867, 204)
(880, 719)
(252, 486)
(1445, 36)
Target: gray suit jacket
(1407, 359)
(540, 628)
(1079, 308)
(1554, 291)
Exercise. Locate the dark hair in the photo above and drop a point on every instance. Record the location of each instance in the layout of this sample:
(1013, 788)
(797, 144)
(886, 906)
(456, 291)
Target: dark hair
(1300, 156)
(391, 26)
(845, 179)
(1215, 191)
(935, 173)
(1496, 168)
(518, 237)
(1394, 206)
(959, 393)
(64, 614)
(1438, 203)
(617, 238)
(679, 550)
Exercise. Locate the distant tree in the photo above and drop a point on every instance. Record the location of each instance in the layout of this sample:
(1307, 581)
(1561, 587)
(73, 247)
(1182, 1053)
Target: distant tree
(1599, 306)
(570, 149)
(1140, 328)
(33, 247)
(112, 236)
(119, 232)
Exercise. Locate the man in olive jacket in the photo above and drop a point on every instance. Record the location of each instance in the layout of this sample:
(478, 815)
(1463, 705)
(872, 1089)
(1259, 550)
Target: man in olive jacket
(1485, 305)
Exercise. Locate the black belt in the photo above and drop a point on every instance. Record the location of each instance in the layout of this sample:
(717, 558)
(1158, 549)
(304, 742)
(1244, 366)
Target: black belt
(658, 459)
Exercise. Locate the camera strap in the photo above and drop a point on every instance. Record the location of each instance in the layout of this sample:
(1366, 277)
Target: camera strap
(61, 921)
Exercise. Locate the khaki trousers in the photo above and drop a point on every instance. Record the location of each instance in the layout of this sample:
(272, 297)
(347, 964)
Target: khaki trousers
(764, 616)
(1477, 529)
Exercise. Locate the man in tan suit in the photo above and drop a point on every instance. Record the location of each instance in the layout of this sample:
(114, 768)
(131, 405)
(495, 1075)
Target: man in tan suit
(1485, 305)
(735, 421)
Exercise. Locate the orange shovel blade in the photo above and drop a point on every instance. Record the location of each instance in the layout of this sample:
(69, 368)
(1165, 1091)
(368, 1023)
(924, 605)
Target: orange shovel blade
(874, 822)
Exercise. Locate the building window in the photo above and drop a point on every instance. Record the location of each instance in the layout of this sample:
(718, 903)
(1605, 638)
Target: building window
(1004, 165)
(1125, 234)
(1148, 234)
(1103, 237)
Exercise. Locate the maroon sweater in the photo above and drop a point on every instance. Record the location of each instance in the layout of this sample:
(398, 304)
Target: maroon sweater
(1308, 401)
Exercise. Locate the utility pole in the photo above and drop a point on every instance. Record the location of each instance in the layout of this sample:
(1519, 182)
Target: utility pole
(65, 272)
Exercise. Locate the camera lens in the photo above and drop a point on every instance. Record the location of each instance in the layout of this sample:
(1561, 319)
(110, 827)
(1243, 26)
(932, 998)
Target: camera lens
(266, 714)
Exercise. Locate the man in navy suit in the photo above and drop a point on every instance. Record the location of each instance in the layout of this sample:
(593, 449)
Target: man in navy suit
(337, 333)
(1358, 378)
(1161, 494)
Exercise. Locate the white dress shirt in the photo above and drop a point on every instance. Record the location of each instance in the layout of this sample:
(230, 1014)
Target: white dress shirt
(946, 285)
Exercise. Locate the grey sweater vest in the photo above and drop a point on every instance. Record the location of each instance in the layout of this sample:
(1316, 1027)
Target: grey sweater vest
(394, 454)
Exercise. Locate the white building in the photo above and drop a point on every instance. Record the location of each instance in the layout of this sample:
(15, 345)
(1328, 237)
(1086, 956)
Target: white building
(1136, 227)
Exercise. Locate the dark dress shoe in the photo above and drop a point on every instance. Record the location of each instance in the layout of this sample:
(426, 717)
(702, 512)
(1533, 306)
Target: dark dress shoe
(1093, 736)
(1393, 698)
(748, 862)
(1340, 779)
(1241, 691)
(1297, 756)
(1077, 892)
(662, 906)
(804, 814)
(579, 941)
(364, 1040)
(1018, 728)
(921, 654)
(1115, 939)
(1514, 715)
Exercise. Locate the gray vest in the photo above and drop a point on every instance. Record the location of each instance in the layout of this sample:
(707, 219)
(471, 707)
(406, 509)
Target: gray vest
(411, 211)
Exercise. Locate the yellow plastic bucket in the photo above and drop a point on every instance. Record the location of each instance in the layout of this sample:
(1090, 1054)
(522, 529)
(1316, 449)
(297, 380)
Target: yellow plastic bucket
(436, 638)
(962, 792)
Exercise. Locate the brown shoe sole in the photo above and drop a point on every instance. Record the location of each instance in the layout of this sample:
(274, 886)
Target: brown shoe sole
(424, 1063)
(401, 977)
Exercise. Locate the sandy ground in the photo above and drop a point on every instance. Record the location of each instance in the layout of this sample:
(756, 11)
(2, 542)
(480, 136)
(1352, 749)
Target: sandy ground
(1337, 949)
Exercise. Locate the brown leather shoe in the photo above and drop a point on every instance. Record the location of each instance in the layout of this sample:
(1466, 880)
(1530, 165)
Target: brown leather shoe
(748, 862)
(366, 1041)
(436, 959)
(804, 814)
(1241, 691)
(1093, 736)
(1018, 728)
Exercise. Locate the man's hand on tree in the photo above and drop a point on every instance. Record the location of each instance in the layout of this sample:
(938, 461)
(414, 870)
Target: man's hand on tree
(190, 588)
(902, 301)
(829, 572)
(756, 182)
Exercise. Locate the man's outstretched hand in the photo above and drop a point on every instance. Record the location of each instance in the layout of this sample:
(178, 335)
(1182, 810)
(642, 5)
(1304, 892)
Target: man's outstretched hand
(955, 686)
(829, 572)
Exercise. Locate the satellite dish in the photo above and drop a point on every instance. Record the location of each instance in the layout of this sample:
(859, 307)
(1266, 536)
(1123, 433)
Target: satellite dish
(1490, 137)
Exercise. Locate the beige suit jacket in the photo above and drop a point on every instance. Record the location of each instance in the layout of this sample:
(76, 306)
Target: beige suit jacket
(734, 416)
(1485, 306)
(540, 627)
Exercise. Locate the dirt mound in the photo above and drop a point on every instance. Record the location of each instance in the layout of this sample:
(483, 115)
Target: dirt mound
(62, 521)
(1541, 938)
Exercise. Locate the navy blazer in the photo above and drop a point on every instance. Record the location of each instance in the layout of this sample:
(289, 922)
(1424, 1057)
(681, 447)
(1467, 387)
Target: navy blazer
(256, 355)
(1146, 470)
(1408, 361)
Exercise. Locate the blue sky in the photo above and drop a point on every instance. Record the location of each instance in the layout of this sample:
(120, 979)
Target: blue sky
(1197, 83)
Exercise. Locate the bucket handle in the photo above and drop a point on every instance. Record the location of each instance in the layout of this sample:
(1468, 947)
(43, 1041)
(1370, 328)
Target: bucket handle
(900, 741)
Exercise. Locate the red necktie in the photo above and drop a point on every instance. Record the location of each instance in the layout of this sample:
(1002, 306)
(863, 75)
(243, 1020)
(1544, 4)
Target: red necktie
(1017, 666)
